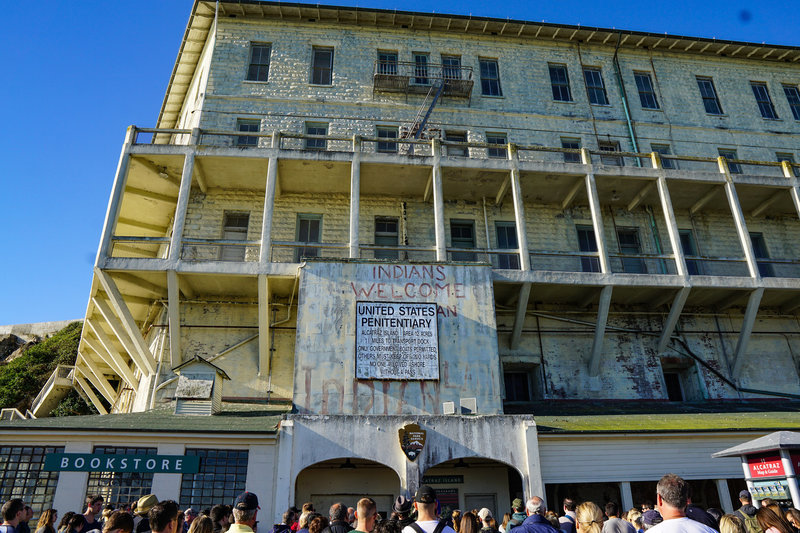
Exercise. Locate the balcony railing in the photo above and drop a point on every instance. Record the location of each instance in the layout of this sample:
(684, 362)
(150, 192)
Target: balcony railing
(413, 77)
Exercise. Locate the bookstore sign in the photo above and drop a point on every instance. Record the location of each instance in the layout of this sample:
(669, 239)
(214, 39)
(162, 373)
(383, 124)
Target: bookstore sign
(142, 463)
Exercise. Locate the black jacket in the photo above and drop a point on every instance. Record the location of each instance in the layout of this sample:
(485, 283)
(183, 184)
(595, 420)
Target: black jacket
(338, 526)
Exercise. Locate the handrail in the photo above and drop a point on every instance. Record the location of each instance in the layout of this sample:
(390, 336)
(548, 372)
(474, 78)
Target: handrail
(428, 71)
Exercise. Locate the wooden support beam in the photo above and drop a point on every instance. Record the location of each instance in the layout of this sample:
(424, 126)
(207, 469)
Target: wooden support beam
(672, 319)
(90, 394)
(174, 319)
(263, 325)
(111, 359)
(699, 204)
(573, 192)
(644, 191)
(119, 332)
(519, 317)
(600, 330)
(763, 206)
(125, 316)
(747, 328)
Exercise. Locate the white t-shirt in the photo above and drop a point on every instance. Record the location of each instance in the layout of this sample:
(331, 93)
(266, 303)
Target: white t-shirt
(428, 526)
(681, 525)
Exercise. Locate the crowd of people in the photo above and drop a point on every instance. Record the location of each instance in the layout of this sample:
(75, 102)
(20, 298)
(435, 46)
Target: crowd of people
(672, 513)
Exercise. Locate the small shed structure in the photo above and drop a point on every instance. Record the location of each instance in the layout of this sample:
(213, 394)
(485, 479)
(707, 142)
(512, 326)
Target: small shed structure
(199, 390)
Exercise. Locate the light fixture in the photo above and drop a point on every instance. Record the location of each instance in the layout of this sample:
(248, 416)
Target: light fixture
(461, 464)
(164, 175)
(347, 464)
(615, 197)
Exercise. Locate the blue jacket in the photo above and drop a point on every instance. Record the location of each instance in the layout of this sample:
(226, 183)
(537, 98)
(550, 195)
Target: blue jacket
(535, 523)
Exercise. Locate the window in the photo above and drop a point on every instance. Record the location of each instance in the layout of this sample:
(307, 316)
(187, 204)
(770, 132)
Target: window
(663, 149)
(221, 477)
(629, 245)
(451, 67)
(21, 476)
(693, 266)
(386, 235)
(793, 97)
(258, 70)
(387, 132)
(647, 96)
(595, 87)
(587, 243)
(789, 158)
(322, 66)
(613, 160)
(507, 239)
(490, 78)
(234, 228)
(733, 168)
(559, 81)
(497, 138)
(682, 381)
(709, 95)
(421, 69)
(518, 386)
(121, 488)
(309, 229)
(316, 128)
(457, 137)
(760, 250)
(249, 126)
(763, 100)
(387, 63)
(672, 381)
(573, 144)
(462, 235)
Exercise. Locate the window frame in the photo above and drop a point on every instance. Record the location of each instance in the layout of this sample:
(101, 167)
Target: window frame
(470, 255)
(664, 149)
(694, 267)
(559, 86)
(571, 158)
(490, 86)
(378, 235)
(731, 154)
(610, 160)
(230, 252)
(255, 45)
(592, 90)
(456, 151)
(633, 265)
(387, 62)
(792, 99)
(235, 476)
(646, 93)
(496, 153)
(247, 141)
(713, 97)
(316, 144)
(307, 251)
(421, 68)
(321, 73)
(760, 251)
(585, 244)
(99, 483)
(788, 156)
(507, 261)
(451, 71)
(387, 147)
(764, 100)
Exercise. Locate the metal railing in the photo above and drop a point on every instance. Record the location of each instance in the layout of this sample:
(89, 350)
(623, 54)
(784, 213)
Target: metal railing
(414, 77)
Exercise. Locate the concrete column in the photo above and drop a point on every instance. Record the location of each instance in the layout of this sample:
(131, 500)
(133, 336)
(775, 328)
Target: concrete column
(71, 487)
(269, 203)
(738, 219)
(532, 481)
(183, 199)
(355, 196)
(519, 210)
(597, 215)
(263, 325)
(669, 218)
(627, 495)
(260, 468)
(788, 172)
(746, 470)
(112, 212)
(168, 486)
(413, 479)
(438, 201)
(724, 495)
(174, 319)
(284, 471)
(791, 477)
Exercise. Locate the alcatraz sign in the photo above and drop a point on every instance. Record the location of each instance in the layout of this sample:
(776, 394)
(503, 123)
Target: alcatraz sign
(396, 340)
(98, 462)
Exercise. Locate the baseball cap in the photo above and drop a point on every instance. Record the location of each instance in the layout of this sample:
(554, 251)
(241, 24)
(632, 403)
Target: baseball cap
(745, 494)
(652, 517)
(425, 494)
(517, 504)
(190, 511)
(246, 501)
(401, 505)
(484, 513)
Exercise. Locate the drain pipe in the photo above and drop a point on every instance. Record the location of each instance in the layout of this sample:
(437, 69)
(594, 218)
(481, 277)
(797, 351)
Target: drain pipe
(621, 85)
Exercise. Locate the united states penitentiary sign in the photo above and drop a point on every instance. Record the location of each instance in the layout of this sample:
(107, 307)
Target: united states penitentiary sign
(396, 340)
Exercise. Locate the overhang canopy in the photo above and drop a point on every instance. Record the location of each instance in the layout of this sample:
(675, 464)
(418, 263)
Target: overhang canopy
(774, 441)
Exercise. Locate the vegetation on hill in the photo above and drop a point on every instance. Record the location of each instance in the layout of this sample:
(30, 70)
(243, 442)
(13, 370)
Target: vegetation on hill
(22, 378)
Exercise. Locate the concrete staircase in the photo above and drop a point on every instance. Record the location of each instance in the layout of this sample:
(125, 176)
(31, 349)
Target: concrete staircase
(57, 386)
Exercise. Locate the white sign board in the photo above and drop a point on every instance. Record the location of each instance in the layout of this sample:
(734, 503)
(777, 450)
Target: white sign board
(396, 341)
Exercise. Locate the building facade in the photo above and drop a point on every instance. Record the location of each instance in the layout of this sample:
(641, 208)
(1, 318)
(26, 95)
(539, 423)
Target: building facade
(568, 255)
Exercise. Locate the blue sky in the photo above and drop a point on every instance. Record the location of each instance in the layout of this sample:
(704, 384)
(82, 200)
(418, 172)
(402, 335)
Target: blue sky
(77, 73)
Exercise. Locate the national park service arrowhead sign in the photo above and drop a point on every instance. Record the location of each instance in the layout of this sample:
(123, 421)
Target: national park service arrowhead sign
(412, 440)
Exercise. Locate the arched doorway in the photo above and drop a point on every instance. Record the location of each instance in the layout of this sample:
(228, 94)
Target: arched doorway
(347, 480)
(473, 483)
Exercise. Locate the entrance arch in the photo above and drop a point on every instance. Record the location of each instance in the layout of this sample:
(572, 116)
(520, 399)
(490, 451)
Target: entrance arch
(468, 483)
(347, 480)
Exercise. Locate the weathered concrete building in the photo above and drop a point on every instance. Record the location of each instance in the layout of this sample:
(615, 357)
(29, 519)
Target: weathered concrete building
(568, 254)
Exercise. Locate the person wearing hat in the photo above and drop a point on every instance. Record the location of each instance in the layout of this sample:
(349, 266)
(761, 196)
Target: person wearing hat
(401, 512)
(747, 512)
(338, 519)
(518, 515)
(427, 519)
(245, 510)
(141, 524)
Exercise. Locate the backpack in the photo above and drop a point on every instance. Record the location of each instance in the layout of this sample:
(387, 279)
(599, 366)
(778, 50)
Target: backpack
(750, 522)
(512, 524)
(438, 529)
